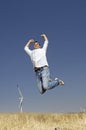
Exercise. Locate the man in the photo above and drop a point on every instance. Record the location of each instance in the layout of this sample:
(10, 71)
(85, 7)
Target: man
(40, 65)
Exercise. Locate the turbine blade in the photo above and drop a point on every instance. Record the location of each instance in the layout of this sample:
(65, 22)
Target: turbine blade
(20, 93)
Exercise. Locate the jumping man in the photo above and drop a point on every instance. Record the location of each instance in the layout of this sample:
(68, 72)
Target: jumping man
(40, 65)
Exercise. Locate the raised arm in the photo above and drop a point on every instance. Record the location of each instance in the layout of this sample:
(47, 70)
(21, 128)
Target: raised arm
(29, 42)
(44, 37)
(26, 48)
(45, 41)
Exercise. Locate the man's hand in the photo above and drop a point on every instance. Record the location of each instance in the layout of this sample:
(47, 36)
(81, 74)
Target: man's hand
(44, 36)
(30, 42)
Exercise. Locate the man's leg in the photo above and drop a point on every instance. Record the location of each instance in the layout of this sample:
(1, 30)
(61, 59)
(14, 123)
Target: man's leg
(39, 82)
(47, 83)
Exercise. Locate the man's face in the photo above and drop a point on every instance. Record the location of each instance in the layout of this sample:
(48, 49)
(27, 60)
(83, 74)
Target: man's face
(36, 45)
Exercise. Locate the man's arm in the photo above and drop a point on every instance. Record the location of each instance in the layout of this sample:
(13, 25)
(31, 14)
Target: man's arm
(29, 42)
(45, 37)
(26, 48)
(45, 41)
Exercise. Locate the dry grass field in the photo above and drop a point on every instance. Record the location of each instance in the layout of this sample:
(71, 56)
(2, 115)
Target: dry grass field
(43, 121)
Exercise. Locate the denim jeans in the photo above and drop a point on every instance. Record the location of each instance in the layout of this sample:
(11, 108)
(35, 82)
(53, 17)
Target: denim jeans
(44, 82)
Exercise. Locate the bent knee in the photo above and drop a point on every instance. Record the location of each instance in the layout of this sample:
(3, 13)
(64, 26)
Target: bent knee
(43, 91)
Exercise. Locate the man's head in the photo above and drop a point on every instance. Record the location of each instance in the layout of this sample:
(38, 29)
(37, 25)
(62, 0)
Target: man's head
(36, 45)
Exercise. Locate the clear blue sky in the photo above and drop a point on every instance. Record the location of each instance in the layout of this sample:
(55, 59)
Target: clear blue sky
(64, 22)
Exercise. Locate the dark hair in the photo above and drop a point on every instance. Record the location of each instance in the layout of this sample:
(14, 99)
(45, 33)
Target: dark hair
(35, 41)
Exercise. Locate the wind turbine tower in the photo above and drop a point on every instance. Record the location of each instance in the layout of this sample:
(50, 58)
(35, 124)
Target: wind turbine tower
(20, 99)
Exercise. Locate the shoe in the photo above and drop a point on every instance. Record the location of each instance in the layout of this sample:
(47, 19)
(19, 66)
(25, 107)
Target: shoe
(60, 82)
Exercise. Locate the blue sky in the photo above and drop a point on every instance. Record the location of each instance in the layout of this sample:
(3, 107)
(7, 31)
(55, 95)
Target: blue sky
(64, 23)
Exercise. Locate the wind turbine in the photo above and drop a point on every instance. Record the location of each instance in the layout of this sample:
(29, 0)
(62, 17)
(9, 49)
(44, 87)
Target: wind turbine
(20, 98)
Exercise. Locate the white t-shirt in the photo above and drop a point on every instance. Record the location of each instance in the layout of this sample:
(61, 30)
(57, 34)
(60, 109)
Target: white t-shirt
(38, 56)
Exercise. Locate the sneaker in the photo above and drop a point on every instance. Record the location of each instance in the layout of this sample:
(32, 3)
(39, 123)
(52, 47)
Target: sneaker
(60, 82)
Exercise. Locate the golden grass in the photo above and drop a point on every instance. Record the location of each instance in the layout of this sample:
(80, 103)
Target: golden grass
(42, 121)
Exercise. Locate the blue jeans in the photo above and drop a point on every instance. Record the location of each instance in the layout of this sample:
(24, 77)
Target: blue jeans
(44, 82)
